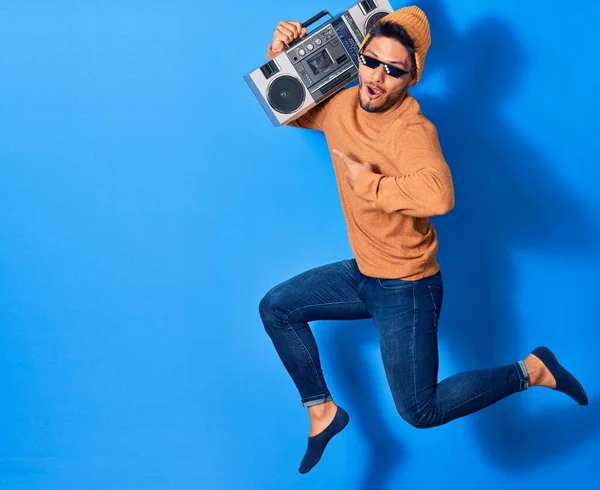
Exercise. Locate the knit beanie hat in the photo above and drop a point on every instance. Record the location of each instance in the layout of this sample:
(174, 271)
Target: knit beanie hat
(415, 23)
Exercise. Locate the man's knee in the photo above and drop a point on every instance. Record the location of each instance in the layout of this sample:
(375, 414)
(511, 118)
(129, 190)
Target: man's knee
(270, 307)
(265, 307)
(419, 419)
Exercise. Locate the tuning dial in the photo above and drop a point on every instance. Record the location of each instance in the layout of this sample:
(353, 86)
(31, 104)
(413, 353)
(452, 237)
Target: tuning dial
(318, 41)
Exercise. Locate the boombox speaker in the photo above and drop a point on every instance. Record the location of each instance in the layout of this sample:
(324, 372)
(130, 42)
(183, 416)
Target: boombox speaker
(316, 66)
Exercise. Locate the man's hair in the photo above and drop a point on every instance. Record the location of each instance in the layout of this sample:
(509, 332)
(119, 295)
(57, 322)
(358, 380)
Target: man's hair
(396, 32)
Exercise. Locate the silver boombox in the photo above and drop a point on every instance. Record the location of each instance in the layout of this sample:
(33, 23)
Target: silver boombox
(316, 66)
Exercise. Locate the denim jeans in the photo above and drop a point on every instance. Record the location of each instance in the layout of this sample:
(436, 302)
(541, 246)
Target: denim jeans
(406, 314)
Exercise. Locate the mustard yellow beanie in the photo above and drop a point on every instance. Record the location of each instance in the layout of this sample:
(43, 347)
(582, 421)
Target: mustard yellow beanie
(415, 22)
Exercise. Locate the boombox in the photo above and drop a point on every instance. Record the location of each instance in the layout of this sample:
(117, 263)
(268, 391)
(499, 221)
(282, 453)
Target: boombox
(316, 66)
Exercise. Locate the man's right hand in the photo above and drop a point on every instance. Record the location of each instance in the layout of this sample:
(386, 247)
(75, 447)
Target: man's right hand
(286, 33)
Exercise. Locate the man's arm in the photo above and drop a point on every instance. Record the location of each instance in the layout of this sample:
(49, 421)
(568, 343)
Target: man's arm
(426, 191)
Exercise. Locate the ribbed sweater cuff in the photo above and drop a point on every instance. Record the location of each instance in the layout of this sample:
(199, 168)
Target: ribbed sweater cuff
(366, 184)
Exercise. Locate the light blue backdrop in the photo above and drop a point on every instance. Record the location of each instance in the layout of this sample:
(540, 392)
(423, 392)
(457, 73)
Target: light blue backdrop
(147, 204)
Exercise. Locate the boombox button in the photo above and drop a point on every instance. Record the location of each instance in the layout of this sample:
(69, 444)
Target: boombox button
(318, 41)
(309, 47)
(301, 52)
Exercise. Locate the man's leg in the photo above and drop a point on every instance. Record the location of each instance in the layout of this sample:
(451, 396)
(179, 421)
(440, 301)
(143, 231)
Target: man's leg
(406, 314)
(329, 292)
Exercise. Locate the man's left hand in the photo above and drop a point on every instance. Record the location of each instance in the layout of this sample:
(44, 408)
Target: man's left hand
(353, 168)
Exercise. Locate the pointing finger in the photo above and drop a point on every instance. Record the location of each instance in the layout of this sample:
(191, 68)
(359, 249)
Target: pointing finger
(342, 155)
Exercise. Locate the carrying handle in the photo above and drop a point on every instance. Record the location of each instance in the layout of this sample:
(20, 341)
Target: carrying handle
(315, 18)
(308, 22)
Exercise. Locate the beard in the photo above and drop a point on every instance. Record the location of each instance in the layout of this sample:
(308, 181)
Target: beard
(389, 101)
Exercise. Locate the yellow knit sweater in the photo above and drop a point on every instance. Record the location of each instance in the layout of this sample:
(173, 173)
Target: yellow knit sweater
(387, 213)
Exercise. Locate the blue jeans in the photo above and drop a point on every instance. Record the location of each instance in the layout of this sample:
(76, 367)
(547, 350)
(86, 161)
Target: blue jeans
(406, 314)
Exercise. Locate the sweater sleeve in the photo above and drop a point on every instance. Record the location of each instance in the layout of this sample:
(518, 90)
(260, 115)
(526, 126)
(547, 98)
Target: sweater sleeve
(313, 118)
(425, 191)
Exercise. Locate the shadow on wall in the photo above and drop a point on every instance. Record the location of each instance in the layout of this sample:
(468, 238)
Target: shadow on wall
(505, 198)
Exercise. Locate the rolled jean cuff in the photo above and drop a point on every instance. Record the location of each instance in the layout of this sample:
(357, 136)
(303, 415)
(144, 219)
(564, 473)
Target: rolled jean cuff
(523, 375)
(309, 402)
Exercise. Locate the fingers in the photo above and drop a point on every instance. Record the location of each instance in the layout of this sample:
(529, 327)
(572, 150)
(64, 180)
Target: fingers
(296, 27)
(290, 30)
(286, 29)
(344, 158)
(349, 177)
(285, 33)
(339, 154)
(293, 26)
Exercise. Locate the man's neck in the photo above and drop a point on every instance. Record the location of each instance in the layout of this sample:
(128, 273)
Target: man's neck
(380, 121)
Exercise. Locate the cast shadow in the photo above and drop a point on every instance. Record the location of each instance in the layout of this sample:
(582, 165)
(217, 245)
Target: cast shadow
(506, 196)
(347, 356)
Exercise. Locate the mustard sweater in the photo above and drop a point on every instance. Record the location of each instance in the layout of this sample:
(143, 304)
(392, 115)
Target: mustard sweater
(387, 213)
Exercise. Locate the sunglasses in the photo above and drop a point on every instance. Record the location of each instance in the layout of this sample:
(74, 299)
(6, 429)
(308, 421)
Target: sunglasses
(392, 71)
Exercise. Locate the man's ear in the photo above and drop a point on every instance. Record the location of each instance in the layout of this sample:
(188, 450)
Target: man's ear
(413, 78)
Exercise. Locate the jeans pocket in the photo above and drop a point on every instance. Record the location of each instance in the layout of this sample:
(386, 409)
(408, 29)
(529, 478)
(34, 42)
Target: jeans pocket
(394, 283)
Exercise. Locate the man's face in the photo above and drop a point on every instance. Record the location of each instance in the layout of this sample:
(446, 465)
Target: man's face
(379, 91)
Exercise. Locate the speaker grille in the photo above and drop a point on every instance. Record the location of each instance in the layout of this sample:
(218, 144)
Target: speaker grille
(286, 94)
(371, 21)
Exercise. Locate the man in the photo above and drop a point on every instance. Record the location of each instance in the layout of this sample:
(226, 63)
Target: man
(392, 178)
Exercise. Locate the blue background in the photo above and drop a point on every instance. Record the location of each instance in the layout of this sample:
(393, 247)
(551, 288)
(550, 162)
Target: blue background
(147, 204)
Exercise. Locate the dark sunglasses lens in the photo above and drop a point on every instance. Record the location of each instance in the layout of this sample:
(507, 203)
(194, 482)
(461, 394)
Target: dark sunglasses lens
(395, 72)
(369, 62)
